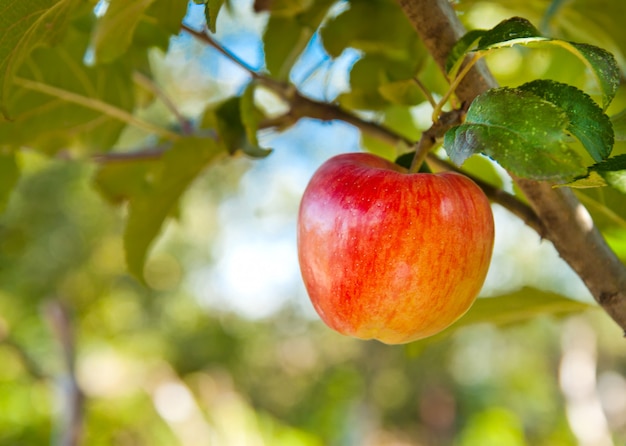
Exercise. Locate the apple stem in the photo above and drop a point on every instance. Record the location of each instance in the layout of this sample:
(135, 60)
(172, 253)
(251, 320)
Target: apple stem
(430, 137)
(422, 148)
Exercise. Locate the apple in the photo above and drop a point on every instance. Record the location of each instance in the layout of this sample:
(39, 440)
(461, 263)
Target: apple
(391, 255)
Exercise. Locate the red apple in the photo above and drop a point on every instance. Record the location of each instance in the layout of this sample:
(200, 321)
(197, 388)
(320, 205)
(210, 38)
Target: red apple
(392, 255)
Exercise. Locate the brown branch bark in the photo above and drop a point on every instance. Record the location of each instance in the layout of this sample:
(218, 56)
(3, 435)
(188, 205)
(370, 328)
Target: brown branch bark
(567, 223)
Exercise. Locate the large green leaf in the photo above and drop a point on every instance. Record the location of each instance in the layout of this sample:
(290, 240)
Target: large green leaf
(587, 121)
(25, 26)
(162, 186)
(521, 131)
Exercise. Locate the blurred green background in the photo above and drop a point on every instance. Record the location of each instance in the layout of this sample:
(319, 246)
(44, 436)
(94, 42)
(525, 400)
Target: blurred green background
(222, 346)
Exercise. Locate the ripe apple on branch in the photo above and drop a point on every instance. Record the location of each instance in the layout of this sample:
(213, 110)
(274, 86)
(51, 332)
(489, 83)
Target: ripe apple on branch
(388, 254)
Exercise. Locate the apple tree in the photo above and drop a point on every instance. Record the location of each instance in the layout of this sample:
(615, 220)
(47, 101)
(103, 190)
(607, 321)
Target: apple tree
(529, 106)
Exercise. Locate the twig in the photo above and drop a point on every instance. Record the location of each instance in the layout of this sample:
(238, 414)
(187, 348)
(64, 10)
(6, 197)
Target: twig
(150, 85)
(208, 39)
(95, 104)
(69, 428)
(435, 132)
(426, 92)
(455, 83)
(153, 153)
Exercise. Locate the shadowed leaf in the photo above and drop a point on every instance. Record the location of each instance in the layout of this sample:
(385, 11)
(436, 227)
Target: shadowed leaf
(161, 188)
(25, 26)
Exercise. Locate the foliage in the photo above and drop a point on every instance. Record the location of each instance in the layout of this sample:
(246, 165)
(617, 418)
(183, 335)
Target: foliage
(110, 154)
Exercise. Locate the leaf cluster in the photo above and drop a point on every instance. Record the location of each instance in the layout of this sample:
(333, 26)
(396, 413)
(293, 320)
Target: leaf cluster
(536, 130)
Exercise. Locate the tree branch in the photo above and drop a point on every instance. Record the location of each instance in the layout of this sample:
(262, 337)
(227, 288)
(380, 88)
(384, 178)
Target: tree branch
(302, 107)
(567, 223)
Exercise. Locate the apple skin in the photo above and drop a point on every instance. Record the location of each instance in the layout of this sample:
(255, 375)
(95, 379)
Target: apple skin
(391, 255)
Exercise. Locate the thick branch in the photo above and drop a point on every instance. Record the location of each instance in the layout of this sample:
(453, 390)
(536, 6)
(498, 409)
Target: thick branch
(567, 223)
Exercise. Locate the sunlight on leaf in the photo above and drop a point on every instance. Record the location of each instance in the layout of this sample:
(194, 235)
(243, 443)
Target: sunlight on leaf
(519, 31)
(520, 306)
(114, 31)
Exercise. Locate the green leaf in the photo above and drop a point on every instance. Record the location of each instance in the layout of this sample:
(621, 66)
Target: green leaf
(145, 22)
(515, 308)
(9, 175)
(464, 45)
(167, 15)
(26, 26)
(114, 31)
(226, 121)
(119, 181)
(284, 39)
(250, 118)
(604, 68)
(587, 121)
(619, 125)
(370, 77)
(211, 11)
(520, 306)
(591, 180)
(286, 8)
(613, 171)
(403, 92)
(509, 32)
(160, 191)
(288, 33)
(375, 27)
(522, 132)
